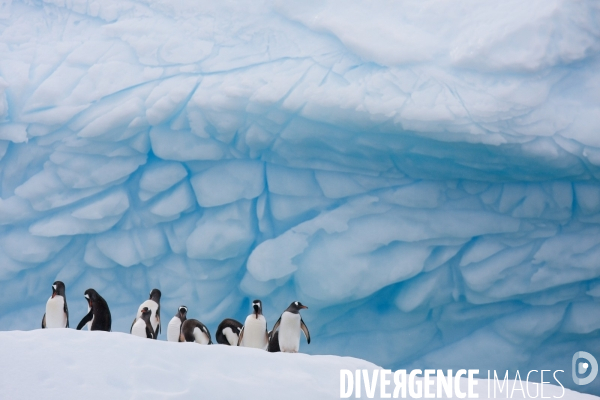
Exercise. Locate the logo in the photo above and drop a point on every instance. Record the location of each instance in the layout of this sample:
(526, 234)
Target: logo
(580, 367)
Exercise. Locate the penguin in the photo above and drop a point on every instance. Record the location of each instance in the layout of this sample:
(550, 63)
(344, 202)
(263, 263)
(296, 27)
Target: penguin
(287, 328)
(142, 326)
(193, 330)
(273, 342)
(57, 313)
(254, 332)
(174, 327)
(228, 332)
(98, 318)
(153, 304)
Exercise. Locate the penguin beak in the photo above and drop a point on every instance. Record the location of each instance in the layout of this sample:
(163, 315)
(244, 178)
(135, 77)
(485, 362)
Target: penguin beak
(302, 307)
(256, 310)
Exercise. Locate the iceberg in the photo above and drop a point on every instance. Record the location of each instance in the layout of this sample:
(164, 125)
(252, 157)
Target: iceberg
(424, 175)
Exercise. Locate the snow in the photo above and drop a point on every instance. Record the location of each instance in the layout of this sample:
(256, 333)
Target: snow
(97, 365)
(64, 363)
(428, 168)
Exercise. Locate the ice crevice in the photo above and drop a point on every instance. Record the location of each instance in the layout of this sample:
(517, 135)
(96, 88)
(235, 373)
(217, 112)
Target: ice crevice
(429, 181)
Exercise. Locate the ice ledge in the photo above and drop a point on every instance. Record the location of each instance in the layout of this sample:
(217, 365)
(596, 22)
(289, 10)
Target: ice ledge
(66, 364)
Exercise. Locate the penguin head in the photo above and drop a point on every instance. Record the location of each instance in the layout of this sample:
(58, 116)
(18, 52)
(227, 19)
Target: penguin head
(58, 288)
(146, 313)
(155, 295)
(182, 313)
(91, 295)
(295, 307)
(257, 306)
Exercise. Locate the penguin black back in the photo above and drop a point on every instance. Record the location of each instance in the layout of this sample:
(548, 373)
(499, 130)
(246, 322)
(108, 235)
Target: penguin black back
(146, 313)
(234, 331)
(99, 313)
(274, 342)
(193, 330)
(155, 295)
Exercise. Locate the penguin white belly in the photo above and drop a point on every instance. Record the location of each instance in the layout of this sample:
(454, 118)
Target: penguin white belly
(200, 337)
(289, 332)
(174, 329)
(232, 338)
(139, 328)
(152, 306)
(255, 332)
(55, 312)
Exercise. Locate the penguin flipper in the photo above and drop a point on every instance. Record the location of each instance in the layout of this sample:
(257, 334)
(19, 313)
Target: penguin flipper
(109, 317)
(155, 332)
(132, 324)
(305, 330)
(44, 321)
(241, 336)
(158, 318)
(66, 310)
(275, 327)
(85, 320)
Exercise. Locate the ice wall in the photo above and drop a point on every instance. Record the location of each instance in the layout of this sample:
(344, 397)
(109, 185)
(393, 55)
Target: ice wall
(422, 174)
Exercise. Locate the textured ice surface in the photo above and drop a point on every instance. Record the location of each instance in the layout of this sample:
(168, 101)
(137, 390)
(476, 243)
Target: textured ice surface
(422, 174)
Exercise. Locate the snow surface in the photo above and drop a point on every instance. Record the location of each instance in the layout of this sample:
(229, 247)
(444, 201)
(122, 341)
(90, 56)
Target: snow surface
(100, 365)
(422, 174)
(67, 364)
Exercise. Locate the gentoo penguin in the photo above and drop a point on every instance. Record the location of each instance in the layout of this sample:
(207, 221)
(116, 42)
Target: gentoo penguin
(98, 316)
(193, 330)
(254, 332)
(153, 304)
(174, 327)
(57, 313)
(142, 327)
(228, 332)
(288, 328)
(273, 342)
